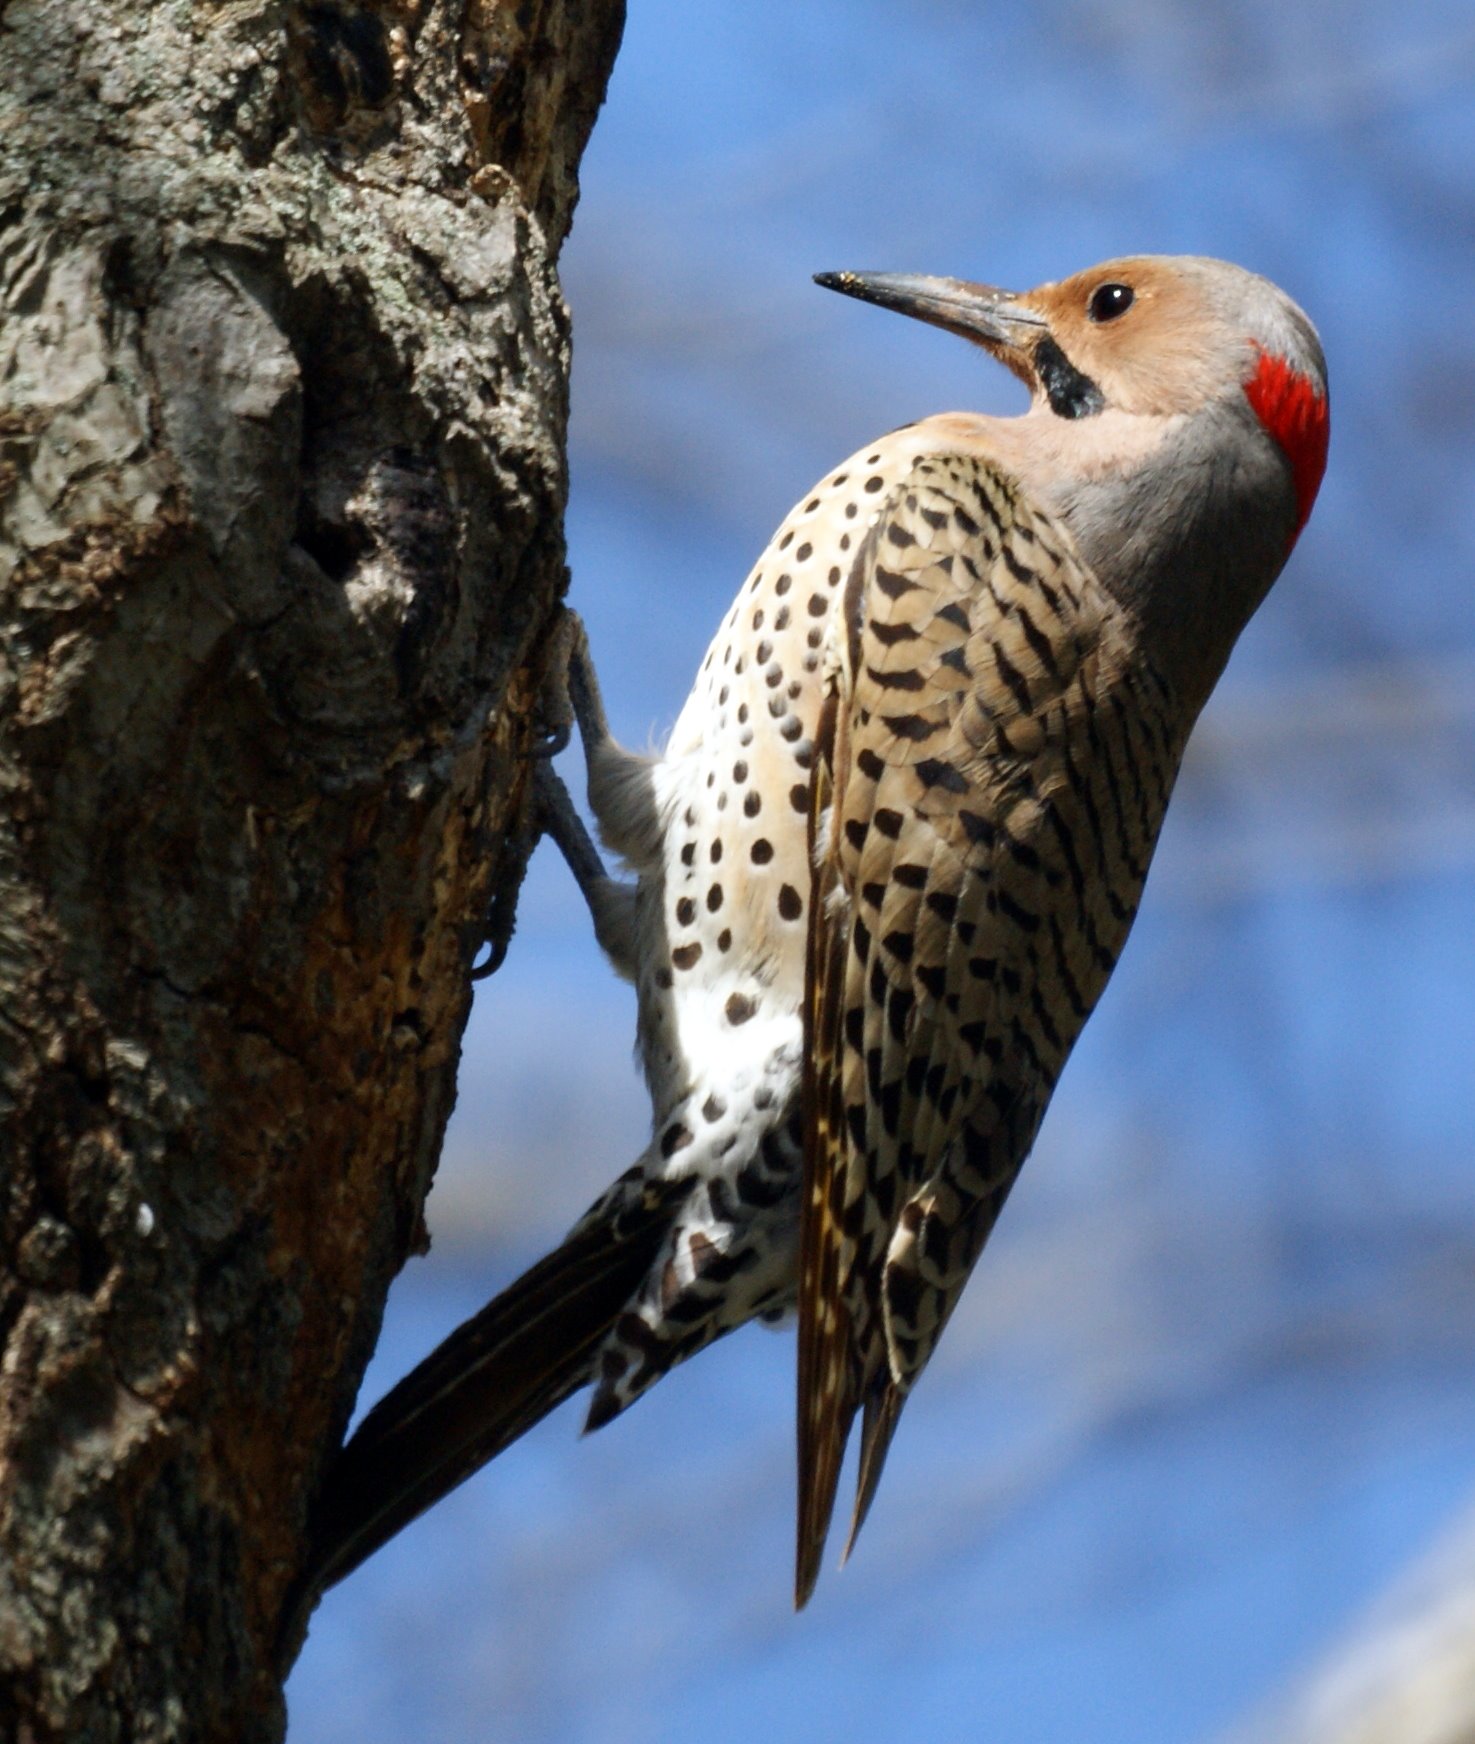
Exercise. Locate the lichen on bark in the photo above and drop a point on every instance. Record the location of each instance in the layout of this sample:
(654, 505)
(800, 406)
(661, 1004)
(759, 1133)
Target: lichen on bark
(283, 390)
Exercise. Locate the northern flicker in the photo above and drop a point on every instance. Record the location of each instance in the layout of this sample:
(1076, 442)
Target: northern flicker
(888, 861)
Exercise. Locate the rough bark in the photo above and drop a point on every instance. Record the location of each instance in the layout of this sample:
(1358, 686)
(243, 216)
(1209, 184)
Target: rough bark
(284, 369)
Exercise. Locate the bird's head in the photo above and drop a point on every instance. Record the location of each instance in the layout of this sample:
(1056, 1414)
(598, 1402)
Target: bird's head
(1151, 336)
(1179, 415)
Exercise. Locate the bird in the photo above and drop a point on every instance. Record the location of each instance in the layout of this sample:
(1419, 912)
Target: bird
(886, 863)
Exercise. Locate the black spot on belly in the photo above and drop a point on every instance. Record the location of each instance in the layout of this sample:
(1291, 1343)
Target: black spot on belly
(674, 1138)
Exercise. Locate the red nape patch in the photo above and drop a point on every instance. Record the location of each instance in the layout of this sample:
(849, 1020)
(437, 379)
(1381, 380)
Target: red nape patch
(1288, 404)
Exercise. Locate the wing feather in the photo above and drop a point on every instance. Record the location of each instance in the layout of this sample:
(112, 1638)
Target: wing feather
(956, 939)
(826, 1406)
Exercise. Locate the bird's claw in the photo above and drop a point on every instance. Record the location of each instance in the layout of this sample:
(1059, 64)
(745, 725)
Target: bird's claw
(570, 698)
(496, 956)
(553, 741)
(501, 917)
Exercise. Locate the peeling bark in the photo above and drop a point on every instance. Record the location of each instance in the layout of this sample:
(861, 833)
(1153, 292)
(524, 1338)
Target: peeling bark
(283, 388)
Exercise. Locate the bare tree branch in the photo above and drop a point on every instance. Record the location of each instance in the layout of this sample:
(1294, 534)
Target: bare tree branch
(1406, 1676)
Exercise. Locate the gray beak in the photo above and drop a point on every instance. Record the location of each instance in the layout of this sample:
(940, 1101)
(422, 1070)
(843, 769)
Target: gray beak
(982, 313)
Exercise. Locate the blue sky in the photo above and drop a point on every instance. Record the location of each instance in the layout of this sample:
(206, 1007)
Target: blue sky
(1212, 1385)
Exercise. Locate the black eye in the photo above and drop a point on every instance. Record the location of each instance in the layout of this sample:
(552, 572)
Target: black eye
(1109, 301)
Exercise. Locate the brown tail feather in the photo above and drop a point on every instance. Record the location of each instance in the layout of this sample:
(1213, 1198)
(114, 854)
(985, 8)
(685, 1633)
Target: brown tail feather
(882, 1409)
(827, 1399)
(491, 1380)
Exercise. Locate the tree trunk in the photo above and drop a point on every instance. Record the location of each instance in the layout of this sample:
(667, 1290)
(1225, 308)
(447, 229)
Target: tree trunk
(284, 371)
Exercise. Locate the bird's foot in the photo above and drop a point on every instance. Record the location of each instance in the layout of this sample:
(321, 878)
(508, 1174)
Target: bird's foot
(570, 696)
(570, 691)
